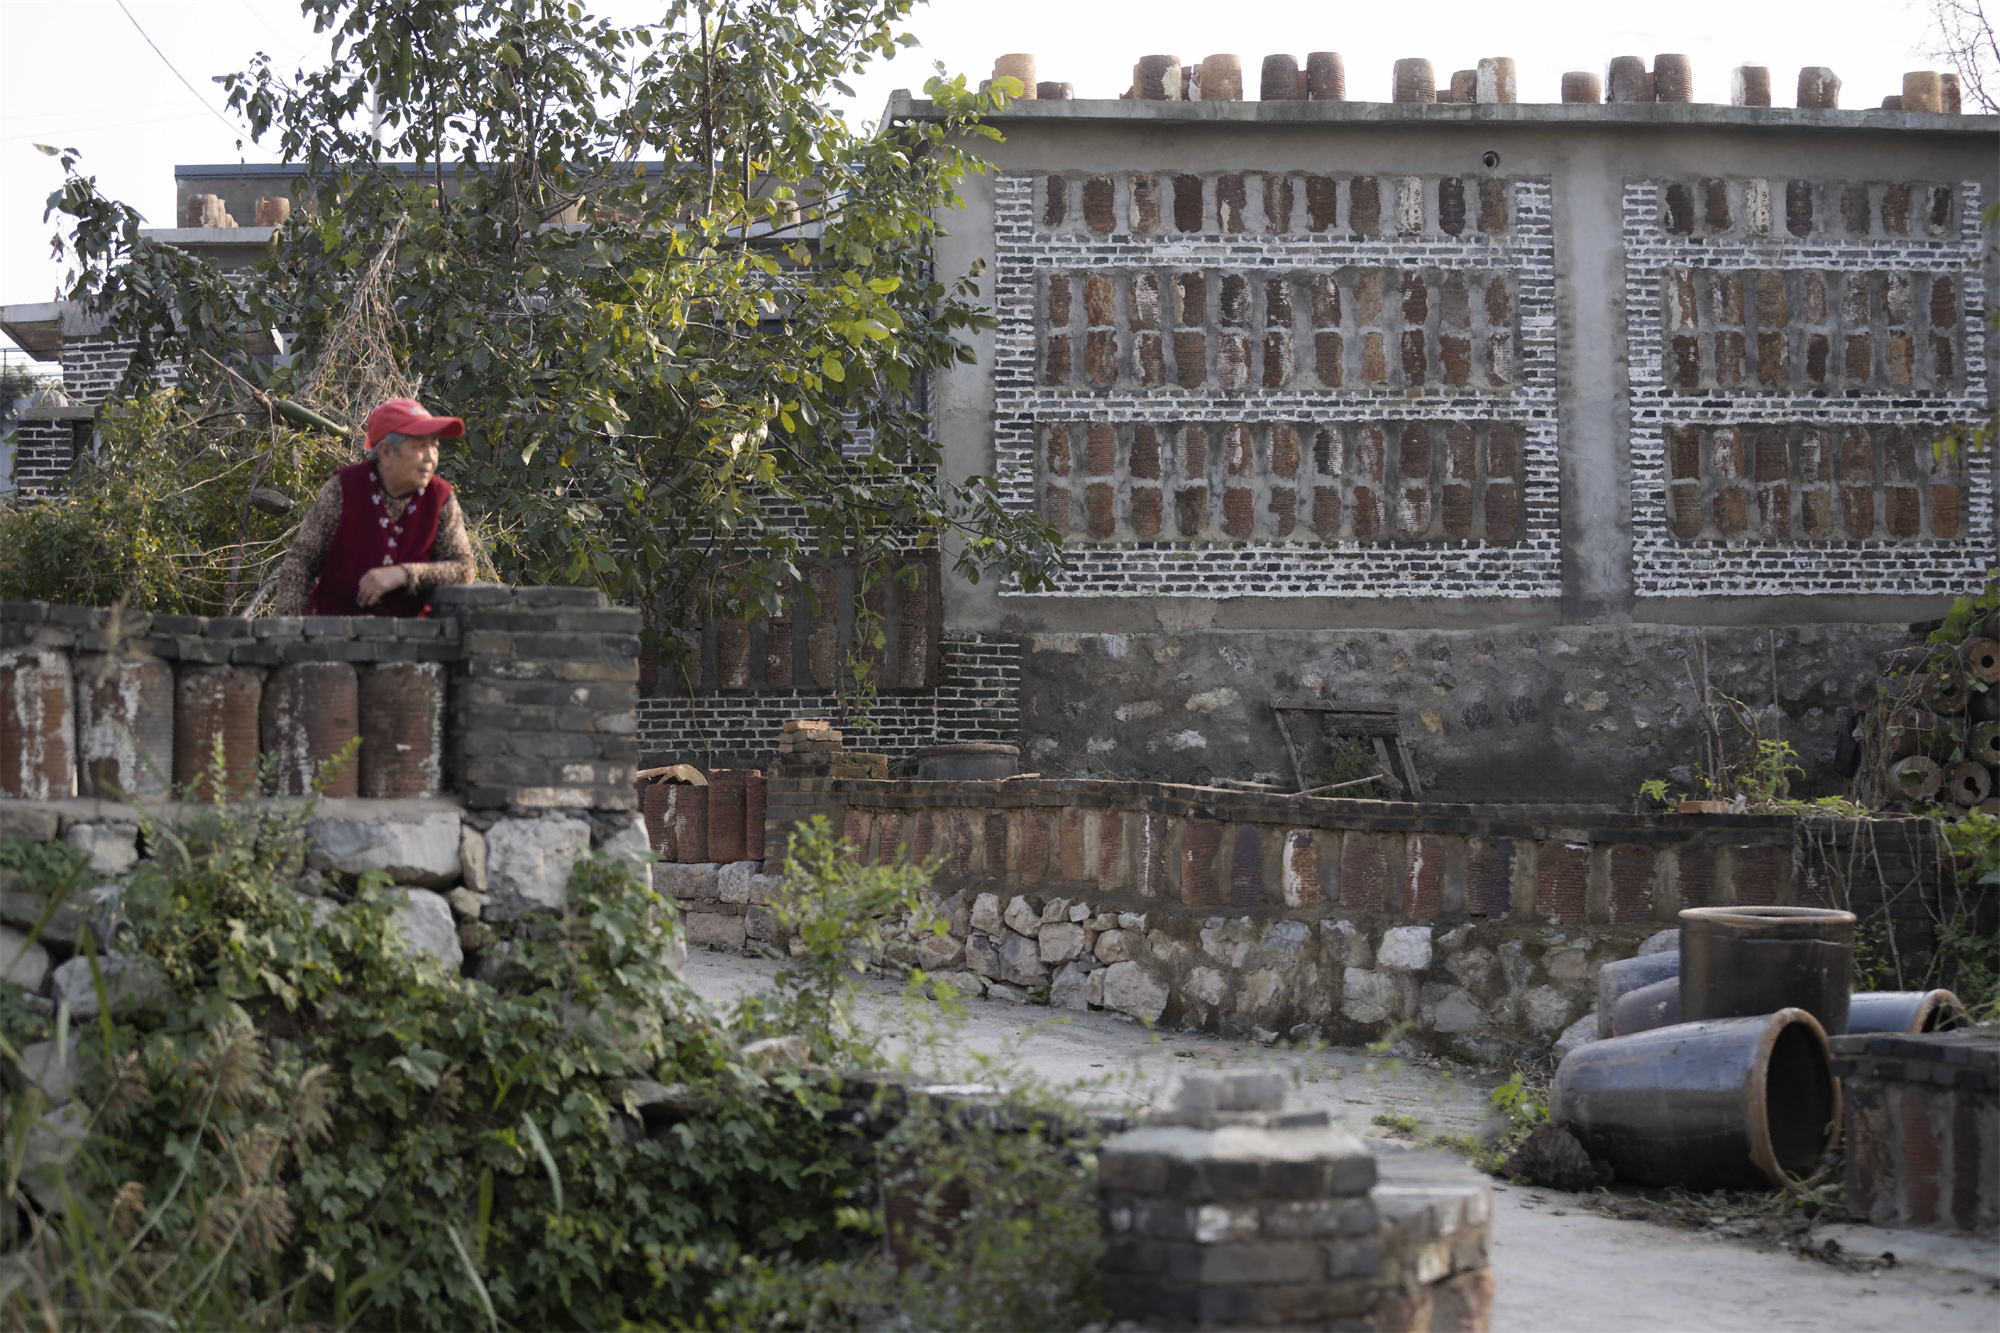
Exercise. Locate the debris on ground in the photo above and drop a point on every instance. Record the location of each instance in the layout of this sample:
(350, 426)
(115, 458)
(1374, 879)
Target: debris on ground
(1778, 1217)
(1553, 1157)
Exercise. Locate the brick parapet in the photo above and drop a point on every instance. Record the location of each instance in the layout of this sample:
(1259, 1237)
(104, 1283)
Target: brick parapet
(544, 697)
(1922, 1128)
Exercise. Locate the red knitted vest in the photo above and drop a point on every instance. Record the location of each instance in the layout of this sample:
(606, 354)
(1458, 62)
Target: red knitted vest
(368, 539)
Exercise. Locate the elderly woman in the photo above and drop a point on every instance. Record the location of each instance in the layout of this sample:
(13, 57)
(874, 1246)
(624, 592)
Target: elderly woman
(382, 532)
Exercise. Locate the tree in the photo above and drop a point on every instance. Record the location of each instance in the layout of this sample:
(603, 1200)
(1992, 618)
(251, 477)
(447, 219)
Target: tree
(1963, 38)
(668, 375)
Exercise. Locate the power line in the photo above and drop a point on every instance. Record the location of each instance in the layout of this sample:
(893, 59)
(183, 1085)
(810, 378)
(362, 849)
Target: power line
(236, 129)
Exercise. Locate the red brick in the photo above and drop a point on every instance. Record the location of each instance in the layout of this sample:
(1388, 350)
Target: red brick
(961, 847)
(1415, 363)
(1055, 508)
(1142, 311)
(1731, 511)
(1562, 882)
(1631, 884)
(1726, 453)
(1413, 513)
(1277, 204)
(1072, 859)
(1246, 867)
(1100, 301)
(1944, 511)
(996, 846)
(1194, 450)
(1100, 515)
(1321, 204)
(1058, 303)
(1944, 307)
(1458, 511)
(1367, 514)
(1284, 507)
(1232, 361)
(1191, 510)
(1299, 869)
(1032, 863)
(1056, 451)
(1284, 451)
(1413, 452)
(1327, 451)
(1056, 205)
(1860, 363)
(1500, 452)
(1502, 512)
(1278, 303)
(1146, 512)
(1278, 364)
(1238, 512)
(1199, 844)
(923, 841)
(1100, 452)
(1325, 293)
(1145, 205)
(1774, 366)
(1239, 455)
(1230, 198)
(1489, 877)
(1819, 351)
(1944, 355)
(1370, 454)
(1233, 301)
(1100, 357)
(1680, 209)
(1190, 358)
(1149, 860)
(1098, 212)
(1451, 206)
(1374, 365)
(1684, 453)
(1896, 209)
(1902, 510)
(1055, 362)
(1187, 203)
(1816, 515)
(1416, 298)
(1922, 1161)
(1498, 314)
(1110, 850)
(1149, 360)
(1326, 512)
(1492, 204)
(1966, 1176)
(1685, 368)
(1857, 512)
(1729, 359)
(1424, 873)
(1364, 873)
(1144, 462)
(1774, 512)
(1455, 355)
(1364, 206)
(1684, 497)
(1326, 358)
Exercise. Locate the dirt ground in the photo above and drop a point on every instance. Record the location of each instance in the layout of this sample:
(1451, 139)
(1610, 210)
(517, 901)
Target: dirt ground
(1557, 1266)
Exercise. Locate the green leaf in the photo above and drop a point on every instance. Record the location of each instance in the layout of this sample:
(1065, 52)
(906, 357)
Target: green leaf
(830, 367)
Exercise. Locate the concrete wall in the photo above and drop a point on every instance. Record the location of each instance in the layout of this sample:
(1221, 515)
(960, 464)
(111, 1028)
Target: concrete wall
(1562, 684)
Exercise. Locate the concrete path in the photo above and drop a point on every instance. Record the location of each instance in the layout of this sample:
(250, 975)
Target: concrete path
(1557, 1267)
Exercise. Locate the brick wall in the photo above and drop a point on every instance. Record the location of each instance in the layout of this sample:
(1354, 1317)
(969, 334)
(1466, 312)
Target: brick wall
(43, 452)
(1279, 383)
(1795, 347)
(1922, 1126)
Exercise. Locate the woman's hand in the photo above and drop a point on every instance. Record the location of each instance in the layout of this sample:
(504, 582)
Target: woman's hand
(380, 581)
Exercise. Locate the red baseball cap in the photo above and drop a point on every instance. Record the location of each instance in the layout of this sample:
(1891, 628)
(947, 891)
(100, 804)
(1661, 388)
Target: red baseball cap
(406, 416)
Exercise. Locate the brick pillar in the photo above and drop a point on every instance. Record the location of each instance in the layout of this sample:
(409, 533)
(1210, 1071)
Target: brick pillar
(542, 704)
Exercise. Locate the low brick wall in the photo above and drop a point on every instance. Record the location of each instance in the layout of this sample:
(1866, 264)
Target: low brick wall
(1478, 927)
(1922, 1128)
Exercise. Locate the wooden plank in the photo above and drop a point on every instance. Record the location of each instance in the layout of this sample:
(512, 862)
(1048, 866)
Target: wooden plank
(1291, 746)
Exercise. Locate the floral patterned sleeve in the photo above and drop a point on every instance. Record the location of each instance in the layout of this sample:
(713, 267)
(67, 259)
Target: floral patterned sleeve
(451, 554)
(299, 574)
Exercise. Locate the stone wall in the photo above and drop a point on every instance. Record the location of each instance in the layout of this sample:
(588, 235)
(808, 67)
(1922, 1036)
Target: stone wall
(1482, 928)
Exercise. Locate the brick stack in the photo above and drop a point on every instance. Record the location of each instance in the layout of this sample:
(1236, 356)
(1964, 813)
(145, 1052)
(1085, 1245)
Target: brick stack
(1922, 1115)
(1226, 1212)
(542, 707)
(812, 748)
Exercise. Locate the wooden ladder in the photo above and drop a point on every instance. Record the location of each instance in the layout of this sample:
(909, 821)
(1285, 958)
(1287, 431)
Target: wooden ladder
(1380, 725)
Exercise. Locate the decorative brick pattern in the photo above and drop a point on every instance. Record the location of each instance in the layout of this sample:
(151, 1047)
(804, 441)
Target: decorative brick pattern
(1280, 384)
(1562, 880)
(1795, 347)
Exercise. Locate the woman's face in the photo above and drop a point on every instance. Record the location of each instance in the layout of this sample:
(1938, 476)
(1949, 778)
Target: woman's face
(406, 463)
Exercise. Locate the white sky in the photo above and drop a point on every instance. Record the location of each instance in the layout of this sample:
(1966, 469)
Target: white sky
(76, 73)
